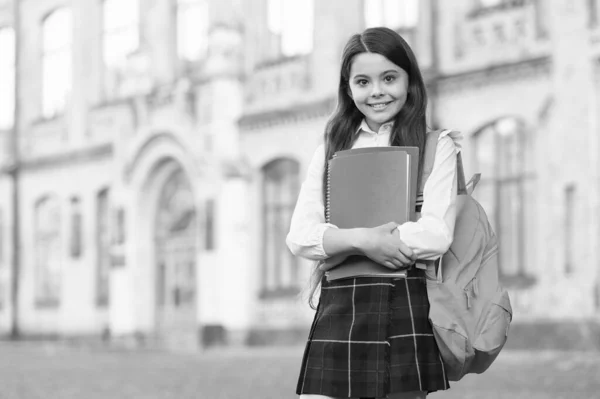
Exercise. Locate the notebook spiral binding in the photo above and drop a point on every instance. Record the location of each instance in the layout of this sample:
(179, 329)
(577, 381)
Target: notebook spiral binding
(328, 193)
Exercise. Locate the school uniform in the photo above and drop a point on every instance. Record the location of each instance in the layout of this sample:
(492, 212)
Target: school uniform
(371, 336)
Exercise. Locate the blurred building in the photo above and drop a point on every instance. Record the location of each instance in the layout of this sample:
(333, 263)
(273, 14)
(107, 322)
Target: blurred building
(159, 145)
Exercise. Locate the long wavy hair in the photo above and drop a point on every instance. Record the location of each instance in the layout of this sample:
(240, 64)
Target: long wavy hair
(410, 127)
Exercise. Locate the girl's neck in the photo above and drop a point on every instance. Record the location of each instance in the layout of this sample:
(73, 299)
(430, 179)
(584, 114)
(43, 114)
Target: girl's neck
(374, 126)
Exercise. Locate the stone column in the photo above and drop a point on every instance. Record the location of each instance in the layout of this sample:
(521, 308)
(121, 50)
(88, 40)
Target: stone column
(568, 155)
(235, 272)
(222, 74)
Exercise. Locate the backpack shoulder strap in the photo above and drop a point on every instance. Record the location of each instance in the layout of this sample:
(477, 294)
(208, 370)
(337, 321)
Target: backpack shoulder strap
(429, 160)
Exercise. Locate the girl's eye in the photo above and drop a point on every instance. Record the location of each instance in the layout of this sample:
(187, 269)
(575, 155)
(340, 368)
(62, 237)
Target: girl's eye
(362, 82)
(389, 78)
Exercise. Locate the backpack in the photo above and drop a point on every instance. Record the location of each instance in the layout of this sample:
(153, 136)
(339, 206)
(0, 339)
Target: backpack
(469, 311)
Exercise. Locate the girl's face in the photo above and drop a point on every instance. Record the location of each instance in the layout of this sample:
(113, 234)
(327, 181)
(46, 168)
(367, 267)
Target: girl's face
(378, 87)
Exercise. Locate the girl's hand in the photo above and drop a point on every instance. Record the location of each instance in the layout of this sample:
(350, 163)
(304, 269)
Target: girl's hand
(382, 244)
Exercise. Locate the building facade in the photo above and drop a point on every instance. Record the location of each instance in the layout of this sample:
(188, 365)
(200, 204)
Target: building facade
(155, 149)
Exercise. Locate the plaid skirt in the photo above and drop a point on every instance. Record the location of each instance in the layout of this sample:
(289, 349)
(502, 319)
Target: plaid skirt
(371, 337)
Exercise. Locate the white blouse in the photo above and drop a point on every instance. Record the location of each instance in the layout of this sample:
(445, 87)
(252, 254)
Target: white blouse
(429, 237)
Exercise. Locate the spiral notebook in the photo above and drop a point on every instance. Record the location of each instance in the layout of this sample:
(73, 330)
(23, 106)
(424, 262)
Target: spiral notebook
(368, 187)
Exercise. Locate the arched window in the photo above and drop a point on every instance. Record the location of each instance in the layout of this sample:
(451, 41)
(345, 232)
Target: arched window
(102, 247)
(120, 38)
(192, 29)
(291, 23)
(7, 83)
(394, 14)
(280, 192)
(48, 254)
(500, 150)
(56, 62)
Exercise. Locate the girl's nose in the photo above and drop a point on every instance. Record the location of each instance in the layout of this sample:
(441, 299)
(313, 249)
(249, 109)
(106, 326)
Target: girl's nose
(377, 92)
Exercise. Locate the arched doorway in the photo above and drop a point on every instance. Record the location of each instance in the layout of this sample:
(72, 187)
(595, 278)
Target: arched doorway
(175, 246)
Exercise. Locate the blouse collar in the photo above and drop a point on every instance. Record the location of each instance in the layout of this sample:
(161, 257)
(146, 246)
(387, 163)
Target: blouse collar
(385, 128)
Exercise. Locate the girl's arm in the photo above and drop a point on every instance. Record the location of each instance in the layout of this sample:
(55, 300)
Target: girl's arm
(310, 237)
(305, 238)
(431, 236)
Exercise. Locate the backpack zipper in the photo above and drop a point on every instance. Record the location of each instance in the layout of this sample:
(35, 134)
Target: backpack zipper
(471, 286)
(468, 299)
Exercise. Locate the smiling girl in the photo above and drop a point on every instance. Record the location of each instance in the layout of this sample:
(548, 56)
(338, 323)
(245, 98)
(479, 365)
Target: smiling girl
(371, 337)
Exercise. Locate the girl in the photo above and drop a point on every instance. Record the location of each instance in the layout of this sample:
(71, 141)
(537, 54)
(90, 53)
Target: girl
(371, 337)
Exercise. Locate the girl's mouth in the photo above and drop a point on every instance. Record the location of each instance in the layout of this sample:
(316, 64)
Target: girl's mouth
(380, 106)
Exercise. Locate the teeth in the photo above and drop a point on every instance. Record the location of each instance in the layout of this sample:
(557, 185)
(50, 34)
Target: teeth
(379, 106)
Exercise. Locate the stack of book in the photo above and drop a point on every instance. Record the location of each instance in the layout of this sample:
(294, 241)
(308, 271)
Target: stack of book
(368, 187)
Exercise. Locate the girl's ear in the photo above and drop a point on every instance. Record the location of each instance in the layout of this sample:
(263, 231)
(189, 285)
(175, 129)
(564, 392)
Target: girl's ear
(349, 92)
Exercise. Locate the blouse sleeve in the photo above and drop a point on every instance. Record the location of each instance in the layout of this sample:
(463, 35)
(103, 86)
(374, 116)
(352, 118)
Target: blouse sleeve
(431, 236)
(305, 238)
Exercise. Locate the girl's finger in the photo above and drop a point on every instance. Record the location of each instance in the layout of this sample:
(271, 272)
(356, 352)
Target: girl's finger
(400, 256)
(405, 250)
(389, 265)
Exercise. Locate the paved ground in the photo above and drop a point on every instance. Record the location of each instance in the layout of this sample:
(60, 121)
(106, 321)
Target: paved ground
(51, 371)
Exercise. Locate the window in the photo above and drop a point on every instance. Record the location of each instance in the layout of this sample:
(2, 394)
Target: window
(394, 14)
(117, 238)
(76, 228)
(3, 282)
(291, 23)
(1, 238)
(500, 155)
(47, 252)
(592, 13)
(280, 192)
(209, 244)
(7, 83)
(597, 295)
(119, 227)
(120, 39)
(192, 29)
(56, 62)
(102, 247)
(569, 227)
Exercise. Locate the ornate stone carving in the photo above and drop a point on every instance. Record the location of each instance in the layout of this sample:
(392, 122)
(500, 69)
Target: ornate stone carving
(45, 137)
(286, 77)
(533, 68)
(510, 31)
(224, 52)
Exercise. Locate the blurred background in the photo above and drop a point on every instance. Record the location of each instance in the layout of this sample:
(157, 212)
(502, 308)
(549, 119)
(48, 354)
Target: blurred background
(152, 152)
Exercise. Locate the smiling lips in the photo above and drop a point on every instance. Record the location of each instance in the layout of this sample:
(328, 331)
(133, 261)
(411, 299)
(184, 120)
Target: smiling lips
(379, 106)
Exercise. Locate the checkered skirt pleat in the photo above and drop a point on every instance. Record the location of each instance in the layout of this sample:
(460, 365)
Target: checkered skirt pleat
(371, 337)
